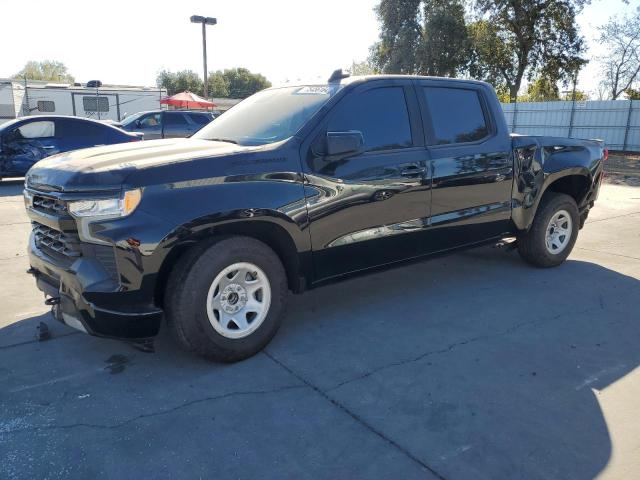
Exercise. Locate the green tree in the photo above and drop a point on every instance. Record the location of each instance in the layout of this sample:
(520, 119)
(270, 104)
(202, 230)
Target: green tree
(218, 85)
(632, 93)
(185, 80)
(542, 89)
(579, 95)
(400, 37)
(240, 82)
(513, 40)
(49, 70)
(421, 37)
(362, 68)
(621, 65)
(445, 43)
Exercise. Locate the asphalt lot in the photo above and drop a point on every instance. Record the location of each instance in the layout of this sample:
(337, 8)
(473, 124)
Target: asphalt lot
(473, 366)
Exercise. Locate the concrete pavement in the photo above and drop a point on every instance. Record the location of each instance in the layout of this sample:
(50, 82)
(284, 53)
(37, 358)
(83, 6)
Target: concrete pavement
(469, 366)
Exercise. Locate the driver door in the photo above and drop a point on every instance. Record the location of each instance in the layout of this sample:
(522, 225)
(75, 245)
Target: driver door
(150, 125)
(370, 207)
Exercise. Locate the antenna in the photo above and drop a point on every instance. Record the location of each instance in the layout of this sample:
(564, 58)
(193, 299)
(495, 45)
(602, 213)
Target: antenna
(338, 75)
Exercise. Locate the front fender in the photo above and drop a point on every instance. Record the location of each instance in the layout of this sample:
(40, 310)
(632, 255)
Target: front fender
(172, 216)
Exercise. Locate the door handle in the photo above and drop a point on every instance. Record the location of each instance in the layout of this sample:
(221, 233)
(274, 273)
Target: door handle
(412, 171)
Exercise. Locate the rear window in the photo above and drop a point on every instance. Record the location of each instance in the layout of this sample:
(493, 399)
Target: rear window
(457, 115)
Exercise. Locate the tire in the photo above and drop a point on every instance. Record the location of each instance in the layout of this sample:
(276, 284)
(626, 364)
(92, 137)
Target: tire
(532, 245)
(200, 314)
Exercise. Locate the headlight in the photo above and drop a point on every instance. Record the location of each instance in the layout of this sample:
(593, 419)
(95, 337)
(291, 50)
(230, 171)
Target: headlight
(28, 198)
(107, 207)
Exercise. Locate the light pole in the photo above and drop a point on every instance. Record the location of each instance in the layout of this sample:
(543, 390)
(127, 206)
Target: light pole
(204, 21)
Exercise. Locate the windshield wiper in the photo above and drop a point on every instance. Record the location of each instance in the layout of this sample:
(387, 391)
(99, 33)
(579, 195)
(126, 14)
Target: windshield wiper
(228, 140)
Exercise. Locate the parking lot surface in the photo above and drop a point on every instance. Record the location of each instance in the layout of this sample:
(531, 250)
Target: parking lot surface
(472, 366)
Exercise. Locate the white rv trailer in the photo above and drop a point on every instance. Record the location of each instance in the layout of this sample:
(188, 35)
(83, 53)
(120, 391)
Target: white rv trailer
(108, 102)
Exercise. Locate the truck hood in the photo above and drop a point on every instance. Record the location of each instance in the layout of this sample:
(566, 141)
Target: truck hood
(106, 168)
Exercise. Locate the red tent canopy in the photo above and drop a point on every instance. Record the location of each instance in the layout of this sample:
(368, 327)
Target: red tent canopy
(187, 100)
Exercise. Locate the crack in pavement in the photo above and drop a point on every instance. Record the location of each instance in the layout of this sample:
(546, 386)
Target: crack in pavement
(455, 345)
(152, 414)
(353, 415)
(607, 253)
(588, 222)
(27, 342)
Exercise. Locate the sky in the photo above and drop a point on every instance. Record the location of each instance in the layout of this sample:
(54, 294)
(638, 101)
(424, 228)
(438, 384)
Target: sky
(128, 42)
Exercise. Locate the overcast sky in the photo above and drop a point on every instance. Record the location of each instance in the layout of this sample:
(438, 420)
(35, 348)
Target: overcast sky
(128, 42)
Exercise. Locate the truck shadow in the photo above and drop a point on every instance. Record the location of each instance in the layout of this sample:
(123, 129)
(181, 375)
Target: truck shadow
(477, 365)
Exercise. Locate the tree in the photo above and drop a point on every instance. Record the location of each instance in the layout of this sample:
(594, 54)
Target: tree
(632, 93)
(49, 70)
(185, 80)
(542, 89)
(400, 33)
(237, 83)
(420, 37)
(445, 43)
(218, 85)
(514, 40)
(621, 65)
(362, 68)
(578, 96)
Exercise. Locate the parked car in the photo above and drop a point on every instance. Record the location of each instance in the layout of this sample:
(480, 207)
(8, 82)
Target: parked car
(293, 188)
(25, 141)
(167, 123)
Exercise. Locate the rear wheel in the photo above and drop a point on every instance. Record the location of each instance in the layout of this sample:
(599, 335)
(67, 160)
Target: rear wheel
(225, 300)
(553, 233)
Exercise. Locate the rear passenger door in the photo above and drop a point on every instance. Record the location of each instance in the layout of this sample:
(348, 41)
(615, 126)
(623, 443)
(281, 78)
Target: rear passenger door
(471, 163)
(368, 208)
(176, 125)
(199, 120)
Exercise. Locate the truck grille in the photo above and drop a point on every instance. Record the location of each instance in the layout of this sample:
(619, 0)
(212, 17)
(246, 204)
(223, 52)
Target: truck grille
(51, 206)
(56, 243)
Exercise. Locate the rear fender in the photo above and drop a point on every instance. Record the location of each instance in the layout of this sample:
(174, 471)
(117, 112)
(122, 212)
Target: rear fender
(541, 161)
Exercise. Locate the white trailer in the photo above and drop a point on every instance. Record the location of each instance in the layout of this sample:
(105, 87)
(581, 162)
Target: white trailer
(109, 102)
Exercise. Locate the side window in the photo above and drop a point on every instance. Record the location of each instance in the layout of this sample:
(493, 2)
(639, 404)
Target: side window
(380, 114)
(44, 129)
(199, 119)
(150, 121)
(95, 104)
(46, 106)
(84, 130)
(173, 119)
(456, 114)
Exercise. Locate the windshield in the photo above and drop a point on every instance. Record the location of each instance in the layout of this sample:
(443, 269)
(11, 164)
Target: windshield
(131, 118)
(268, 116)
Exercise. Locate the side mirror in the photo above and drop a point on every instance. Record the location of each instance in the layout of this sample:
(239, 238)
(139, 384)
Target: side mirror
(342, 143)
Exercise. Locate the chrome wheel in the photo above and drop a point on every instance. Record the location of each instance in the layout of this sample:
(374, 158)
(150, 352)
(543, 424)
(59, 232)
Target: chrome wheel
(238, 300)
(558, 232)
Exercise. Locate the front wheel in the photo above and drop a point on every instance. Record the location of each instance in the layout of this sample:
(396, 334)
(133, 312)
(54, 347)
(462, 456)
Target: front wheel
(225, 300)
(553, 233)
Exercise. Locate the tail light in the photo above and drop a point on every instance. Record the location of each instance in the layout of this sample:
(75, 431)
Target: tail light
(605, 154)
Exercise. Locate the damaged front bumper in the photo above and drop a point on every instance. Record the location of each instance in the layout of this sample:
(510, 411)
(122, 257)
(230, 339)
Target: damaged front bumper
(85, 297)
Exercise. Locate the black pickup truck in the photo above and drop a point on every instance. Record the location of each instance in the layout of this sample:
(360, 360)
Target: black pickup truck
(292, 188)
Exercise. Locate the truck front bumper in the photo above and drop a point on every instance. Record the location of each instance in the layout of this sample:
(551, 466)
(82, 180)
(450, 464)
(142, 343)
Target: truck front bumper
(86, 298)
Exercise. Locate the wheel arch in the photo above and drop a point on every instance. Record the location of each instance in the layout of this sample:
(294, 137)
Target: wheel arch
(264, 229)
